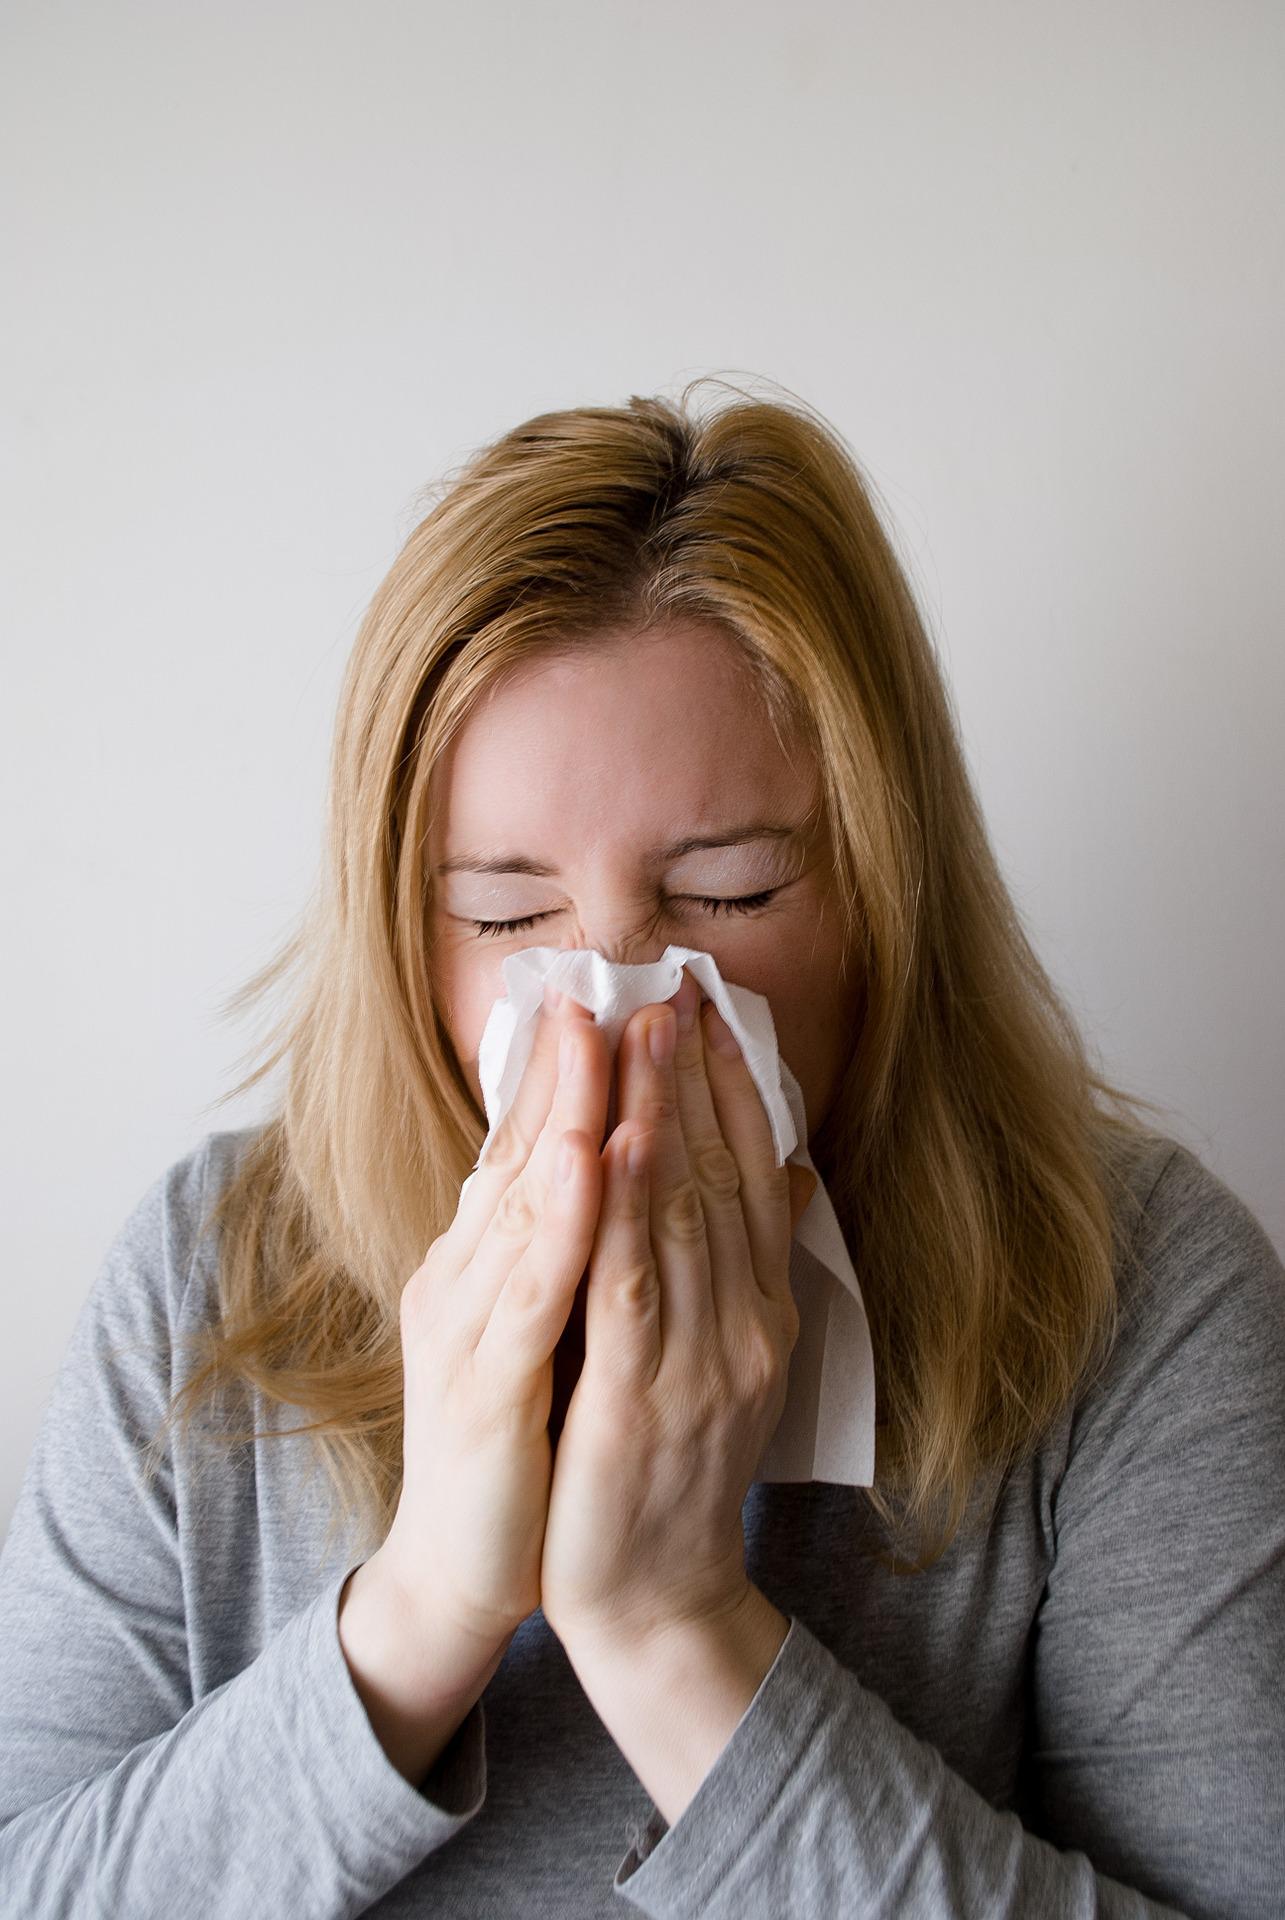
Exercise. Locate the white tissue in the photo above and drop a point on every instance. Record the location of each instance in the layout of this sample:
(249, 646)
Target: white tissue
(827, 1428)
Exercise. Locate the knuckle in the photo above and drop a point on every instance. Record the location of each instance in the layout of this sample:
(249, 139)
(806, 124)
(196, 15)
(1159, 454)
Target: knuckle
(777, 1181)
(525, 1289)
(717, 1170)
(636, 1284)
(515, 1217)
(682, 1213)
(764, 1367)
(509, 1150)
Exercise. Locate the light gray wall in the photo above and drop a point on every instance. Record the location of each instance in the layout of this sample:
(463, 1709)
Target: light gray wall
(275, 267)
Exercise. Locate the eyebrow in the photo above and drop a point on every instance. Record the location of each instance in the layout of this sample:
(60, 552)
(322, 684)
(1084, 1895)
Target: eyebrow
(693, 843)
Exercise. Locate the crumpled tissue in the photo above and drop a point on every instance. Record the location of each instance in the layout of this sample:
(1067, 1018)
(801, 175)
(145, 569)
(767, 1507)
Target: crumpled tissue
(827, 1428)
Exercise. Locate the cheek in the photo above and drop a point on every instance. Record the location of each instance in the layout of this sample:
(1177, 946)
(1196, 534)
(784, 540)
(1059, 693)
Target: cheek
(798, 975)
(786, 957)
(467, 982)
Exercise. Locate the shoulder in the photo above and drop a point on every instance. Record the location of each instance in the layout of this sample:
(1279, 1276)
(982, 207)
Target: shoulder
(1163, 1604)
(164, 1237)
(1196, 1247)
(119, 1365)
(1200, 1334)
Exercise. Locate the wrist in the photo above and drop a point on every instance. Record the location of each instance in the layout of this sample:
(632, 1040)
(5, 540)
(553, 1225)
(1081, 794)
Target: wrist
(746, 1620)
(416, 1682)
(436, 1662)
(673, 1696)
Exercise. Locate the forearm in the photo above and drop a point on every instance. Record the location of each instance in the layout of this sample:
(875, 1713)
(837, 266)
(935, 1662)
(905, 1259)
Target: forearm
(417, 1686)
(818, 1799)
(271, 1794)
(672, 1702)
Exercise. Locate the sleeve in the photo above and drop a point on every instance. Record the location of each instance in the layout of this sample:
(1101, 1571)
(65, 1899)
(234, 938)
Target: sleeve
(118, 1793)
(1156, 1757)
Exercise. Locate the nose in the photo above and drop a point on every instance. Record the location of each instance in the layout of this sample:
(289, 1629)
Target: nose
(687, 994)
(623, 953)
(623, 918)
(636, 947)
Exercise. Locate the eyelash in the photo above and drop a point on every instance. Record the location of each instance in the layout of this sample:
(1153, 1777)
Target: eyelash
(748, 903)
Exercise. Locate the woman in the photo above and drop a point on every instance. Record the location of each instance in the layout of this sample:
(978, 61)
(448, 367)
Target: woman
(645, 675)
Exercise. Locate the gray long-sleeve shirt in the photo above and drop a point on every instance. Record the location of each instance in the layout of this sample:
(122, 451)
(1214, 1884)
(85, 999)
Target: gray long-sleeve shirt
(1080, 1712)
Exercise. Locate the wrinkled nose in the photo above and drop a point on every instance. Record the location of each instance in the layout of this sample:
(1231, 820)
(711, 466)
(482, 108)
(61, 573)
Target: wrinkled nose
(622, 947)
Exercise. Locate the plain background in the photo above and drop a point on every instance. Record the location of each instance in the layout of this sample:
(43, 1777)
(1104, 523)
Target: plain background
(276, 268)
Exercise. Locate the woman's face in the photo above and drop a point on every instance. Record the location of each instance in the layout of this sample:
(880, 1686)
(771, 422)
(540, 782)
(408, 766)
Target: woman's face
(592, 770)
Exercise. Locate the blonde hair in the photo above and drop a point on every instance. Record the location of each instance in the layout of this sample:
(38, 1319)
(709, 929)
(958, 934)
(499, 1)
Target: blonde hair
(971, 1150)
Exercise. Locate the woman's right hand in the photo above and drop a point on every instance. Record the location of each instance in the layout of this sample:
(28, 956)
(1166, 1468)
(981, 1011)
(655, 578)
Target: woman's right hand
(480, 1320)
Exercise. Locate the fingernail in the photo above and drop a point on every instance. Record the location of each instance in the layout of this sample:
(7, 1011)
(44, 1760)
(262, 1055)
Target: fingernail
(661, 1037)
(552, 999)
(566, 1159)
(685, 1003)
(568, 1053)
(637, 1153)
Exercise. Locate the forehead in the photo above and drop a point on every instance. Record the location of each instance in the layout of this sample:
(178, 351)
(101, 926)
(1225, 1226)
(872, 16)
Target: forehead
(642, 731)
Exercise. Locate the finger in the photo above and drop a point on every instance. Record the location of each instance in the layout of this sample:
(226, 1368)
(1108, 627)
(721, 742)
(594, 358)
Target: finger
(764, 1186)
(580, 1099)
(520, 1209)
(695, 1102)
(623, 1299)
(508, 1147)
(714, 1166)
(678, 1228)
(554, 1095)
(533, 1299)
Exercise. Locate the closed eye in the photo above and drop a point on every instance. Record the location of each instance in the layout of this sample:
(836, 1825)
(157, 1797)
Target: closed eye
(747, 903)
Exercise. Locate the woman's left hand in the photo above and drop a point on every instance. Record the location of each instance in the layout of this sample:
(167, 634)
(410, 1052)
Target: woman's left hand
(689, 1327)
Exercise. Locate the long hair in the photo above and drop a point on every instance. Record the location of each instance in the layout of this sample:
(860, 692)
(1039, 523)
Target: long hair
(971, 1151)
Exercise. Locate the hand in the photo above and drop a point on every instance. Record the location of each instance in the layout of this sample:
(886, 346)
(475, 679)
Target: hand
(480, 1320)
(689, 1327)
